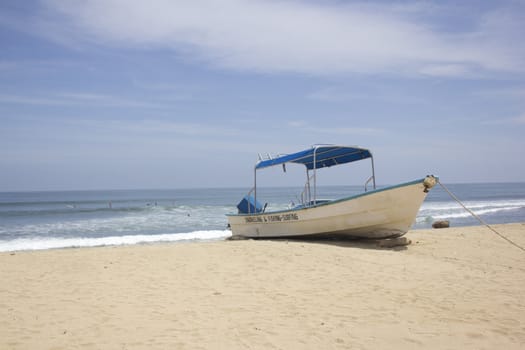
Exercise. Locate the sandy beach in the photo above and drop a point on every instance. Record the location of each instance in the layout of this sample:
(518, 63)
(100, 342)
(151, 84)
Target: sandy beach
(456, 288)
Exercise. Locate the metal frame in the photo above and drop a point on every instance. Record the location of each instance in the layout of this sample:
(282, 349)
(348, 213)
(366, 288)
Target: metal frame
(307, 186)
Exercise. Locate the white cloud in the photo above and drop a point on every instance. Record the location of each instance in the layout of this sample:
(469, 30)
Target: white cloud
(78, 99)
(348, 131)
(517, 120)
(302, 126)
(333, 94)
(365, 92)
(46, 101)
(299, 36)
(445, 70)
(171, 128)
(515, 92)
(106, 100)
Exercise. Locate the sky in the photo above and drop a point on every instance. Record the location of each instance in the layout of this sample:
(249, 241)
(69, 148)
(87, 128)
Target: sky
(123, 94)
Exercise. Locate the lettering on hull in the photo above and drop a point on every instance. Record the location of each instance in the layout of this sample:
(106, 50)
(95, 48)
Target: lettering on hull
(272, 218)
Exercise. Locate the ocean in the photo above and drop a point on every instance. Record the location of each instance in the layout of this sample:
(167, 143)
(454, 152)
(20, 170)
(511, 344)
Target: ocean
(60, 219)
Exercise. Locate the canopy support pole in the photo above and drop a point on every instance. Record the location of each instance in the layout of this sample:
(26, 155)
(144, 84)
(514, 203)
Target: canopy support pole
(254, 185)
(315, 176)
(373, 171)
(307, 190)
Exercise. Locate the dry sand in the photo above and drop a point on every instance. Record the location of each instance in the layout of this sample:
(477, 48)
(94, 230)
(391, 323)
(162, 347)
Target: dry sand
(457, 288)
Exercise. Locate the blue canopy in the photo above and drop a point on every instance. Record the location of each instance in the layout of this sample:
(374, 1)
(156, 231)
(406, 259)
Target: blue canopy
(325, 156)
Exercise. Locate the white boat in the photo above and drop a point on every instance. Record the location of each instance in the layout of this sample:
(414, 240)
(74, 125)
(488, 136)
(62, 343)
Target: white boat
(379, 213)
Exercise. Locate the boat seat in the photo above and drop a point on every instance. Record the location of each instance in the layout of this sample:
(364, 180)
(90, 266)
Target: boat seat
(248, 205)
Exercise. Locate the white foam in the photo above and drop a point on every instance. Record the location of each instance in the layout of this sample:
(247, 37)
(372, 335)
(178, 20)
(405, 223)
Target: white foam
(464, 213)
(451, 210)
(42, 243)
(433, 206)
(154, 220)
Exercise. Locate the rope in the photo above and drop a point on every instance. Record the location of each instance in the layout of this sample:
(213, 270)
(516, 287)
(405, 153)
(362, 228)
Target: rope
(479, 219)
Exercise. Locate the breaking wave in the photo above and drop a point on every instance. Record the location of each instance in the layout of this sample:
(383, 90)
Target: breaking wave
(40, 243)
(451, 210)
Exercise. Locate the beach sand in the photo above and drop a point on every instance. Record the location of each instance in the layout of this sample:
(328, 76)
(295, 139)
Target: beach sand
(456, 288)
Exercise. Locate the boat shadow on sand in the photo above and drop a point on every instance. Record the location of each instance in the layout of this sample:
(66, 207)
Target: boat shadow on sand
(395, 244)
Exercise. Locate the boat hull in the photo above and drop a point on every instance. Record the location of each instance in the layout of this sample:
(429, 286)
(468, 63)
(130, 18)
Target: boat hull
(383, 213)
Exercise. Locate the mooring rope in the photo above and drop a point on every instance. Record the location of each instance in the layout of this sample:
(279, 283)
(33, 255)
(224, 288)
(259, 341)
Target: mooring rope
(479, 219)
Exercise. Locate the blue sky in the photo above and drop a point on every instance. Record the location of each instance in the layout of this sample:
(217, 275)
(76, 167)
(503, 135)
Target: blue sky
(168, 94)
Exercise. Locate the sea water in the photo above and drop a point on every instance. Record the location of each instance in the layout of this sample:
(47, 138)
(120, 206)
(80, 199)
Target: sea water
(52, 219)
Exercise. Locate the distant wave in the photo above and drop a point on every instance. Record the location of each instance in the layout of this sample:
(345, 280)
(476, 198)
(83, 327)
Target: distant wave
(73, 210)
(41, 243)
(69, 210)
(452, 210)
(465, 214)
(473, 205)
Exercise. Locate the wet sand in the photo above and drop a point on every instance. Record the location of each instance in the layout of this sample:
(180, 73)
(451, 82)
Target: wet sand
(451, 288)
